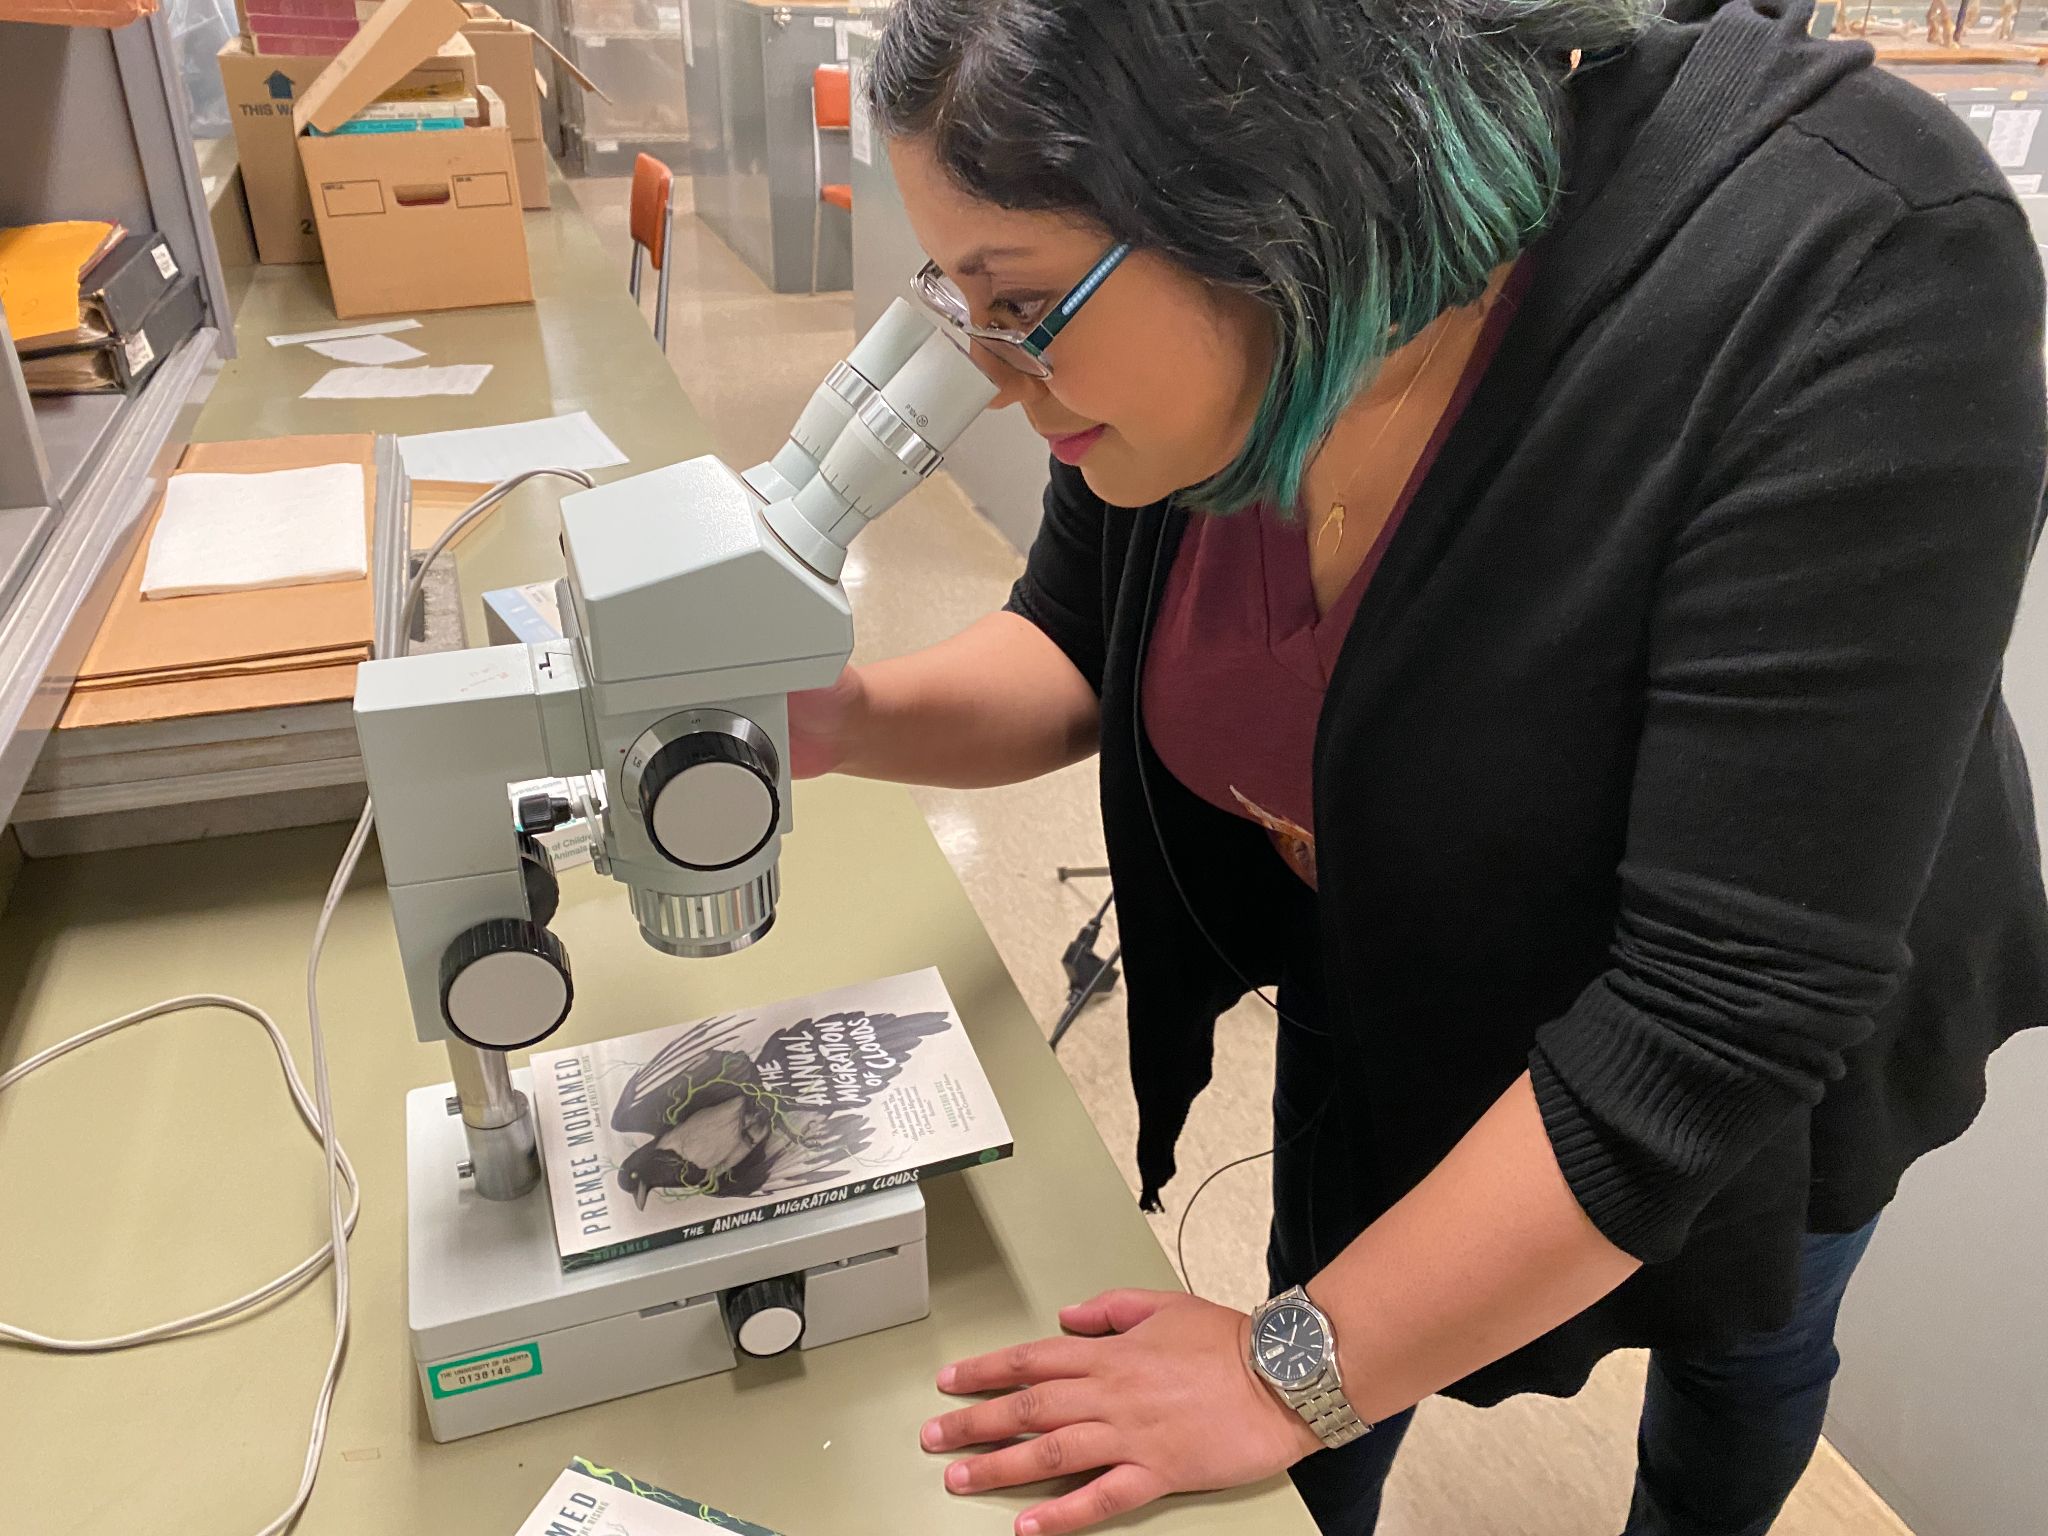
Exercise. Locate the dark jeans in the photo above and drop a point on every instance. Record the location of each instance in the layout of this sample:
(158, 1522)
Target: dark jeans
(1723, 1436)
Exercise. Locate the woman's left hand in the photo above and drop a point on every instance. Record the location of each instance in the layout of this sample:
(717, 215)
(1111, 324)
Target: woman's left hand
(1158, 1397)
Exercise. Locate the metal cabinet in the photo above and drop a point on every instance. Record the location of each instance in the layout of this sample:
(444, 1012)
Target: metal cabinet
(749, 65)
(94, 121)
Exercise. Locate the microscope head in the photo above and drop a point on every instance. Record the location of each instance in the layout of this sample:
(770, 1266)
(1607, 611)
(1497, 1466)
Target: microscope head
(699, 599)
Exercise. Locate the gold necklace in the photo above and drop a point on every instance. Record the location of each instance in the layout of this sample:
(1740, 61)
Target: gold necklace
(1335, 516)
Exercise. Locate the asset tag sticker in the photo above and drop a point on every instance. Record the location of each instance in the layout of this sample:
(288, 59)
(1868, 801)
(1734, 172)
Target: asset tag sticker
(164, 262)
(479, 1371)
(140, 353)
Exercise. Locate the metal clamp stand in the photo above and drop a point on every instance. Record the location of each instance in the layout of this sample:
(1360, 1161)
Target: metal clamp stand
(1089, 975)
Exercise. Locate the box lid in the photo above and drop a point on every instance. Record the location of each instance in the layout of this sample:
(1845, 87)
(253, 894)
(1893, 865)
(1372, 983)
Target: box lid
(486, 19)
(400, 35)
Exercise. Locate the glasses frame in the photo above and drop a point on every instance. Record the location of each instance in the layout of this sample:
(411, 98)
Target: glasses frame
(946, 303)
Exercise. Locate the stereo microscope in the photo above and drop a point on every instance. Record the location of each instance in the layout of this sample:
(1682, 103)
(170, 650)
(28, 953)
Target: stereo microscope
(696, 599)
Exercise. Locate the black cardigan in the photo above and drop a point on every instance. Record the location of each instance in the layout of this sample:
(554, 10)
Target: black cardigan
(1665, 758)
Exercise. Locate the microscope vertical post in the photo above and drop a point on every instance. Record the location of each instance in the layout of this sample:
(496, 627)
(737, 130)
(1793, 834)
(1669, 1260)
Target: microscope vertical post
(496, 1123)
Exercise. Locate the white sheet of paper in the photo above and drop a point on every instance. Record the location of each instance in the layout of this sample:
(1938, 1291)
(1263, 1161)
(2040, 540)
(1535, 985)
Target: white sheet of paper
(2012, 136)
(486, 455)
(860, 136)
(372, 328)
(397, 383)
(236, 533)
(366, 350)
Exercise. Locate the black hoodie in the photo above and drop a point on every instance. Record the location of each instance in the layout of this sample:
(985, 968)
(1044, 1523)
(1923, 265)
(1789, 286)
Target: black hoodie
(1665, 757)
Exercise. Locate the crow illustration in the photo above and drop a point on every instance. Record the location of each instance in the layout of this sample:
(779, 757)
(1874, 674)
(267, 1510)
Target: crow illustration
(719, 1127)
(710, 1133)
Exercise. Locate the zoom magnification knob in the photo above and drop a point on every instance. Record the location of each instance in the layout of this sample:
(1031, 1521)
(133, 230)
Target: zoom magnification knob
(505, 984)
(767, 1317)
(706, 784)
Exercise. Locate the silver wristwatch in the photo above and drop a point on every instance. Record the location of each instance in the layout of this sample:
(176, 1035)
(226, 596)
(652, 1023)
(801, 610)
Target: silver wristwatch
(1294, 1351)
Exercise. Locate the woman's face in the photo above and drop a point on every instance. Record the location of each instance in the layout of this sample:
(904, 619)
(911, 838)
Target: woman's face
(1167, 367)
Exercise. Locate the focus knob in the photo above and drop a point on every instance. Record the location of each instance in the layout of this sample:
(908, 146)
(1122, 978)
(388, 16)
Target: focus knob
(505, 984)
(767, 1317)
(708, 796)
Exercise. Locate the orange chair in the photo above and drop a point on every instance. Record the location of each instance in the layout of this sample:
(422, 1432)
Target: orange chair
(831, 112)
(652, 221)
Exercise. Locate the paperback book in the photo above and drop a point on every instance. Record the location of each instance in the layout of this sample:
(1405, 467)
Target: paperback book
(738, 1119)
(589, 1500)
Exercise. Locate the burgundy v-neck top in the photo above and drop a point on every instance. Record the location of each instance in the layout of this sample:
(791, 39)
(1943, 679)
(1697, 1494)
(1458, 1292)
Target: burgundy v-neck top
(1239, 659)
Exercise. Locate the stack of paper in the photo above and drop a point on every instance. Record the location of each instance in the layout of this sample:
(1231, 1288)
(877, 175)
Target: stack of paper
(239, 641)
(247, 532)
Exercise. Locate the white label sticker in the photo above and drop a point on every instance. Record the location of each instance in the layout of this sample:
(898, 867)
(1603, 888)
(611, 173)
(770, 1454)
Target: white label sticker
(605, 146)
(860, 136)
(164, 263)
(595, 42)
(689, 43)
(2025, 186)
(1983, 109)
(821, 22)
(839, 41)
(140, 353)
(2012, 136)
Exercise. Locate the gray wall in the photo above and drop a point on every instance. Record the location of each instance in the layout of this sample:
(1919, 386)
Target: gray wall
(1942, 1404)
(999, 461)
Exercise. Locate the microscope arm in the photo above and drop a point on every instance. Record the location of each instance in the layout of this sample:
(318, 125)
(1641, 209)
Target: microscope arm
(442, 735)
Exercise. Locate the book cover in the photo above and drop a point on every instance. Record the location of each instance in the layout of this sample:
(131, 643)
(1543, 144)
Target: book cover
(729, 1121)
(589, 1500)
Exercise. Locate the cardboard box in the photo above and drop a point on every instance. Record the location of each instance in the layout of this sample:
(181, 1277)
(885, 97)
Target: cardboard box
(507, 63)
(531, 156)
(261, 91)
(77, 13)
(410, 221)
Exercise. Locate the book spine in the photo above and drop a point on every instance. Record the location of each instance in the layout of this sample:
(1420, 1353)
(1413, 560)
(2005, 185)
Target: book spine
(838, 1195)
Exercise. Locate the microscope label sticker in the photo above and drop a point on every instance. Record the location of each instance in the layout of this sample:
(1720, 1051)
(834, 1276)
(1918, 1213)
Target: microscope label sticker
(480, 1371)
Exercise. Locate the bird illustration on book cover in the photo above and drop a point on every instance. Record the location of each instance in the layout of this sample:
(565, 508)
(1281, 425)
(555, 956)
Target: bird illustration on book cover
(723, 1122)
(701, 1127)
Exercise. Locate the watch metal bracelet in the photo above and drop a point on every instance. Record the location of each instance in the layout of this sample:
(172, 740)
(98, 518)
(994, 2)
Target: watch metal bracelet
(1330, 1414)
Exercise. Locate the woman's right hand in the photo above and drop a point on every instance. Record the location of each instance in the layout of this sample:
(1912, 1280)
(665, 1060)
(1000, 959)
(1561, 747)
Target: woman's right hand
(825, 724)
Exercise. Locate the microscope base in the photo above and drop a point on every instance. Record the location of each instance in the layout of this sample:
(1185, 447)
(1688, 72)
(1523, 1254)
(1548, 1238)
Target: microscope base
(501, 1334)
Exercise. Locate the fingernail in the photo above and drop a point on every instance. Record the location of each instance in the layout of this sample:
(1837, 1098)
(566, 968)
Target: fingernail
(928, 1437)
(1028, 1526)
(946, 1379)
(956, 1476)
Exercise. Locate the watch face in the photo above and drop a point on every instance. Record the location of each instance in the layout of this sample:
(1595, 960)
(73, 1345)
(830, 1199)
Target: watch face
(1290, 1345)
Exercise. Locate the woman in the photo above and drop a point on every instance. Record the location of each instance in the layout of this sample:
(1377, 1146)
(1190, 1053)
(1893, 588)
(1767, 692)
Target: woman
(1541, 493)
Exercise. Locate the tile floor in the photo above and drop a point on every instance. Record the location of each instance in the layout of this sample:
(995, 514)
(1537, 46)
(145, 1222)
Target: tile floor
(749, 359)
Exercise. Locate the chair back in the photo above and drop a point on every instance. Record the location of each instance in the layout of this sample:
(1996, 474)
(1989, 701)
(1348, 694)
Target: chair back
(653, 190)
(832, 98)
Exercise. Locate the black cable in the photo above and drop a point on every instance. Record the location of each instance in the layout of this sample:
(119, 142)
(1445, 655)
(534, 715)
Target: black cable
(1314, 1122)
(1152, 810)
(1180, 1236)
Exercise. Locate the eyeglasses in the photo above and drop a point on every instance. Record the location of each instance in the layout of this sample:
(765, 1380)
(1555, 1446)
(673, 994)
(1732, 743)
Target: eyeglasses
(1024, 352)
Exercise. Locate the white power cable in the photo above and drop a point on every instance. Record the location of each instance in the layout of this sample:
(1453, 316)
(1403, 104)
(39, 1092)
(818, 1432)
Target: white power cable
(286, 1282)
(318, 1115)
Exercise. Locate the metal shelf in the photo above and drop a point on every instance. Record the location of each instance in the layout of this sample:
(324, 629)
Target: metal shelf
(97, 121)
(74, 429)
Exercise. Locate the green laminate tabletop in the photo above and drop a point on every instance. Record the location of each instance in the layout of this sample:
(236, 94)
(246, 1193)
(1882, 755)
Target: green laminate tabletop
(162, 1170)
